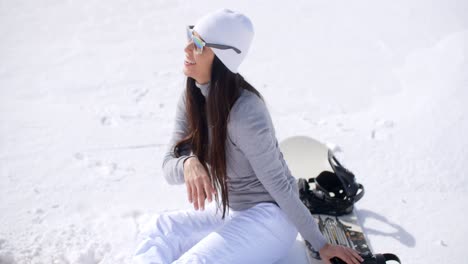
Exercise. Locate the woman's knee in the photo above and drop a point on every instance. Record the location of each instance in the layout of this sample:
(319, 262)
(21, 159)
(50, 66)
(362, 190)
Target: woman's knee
(166, 221)
(178, 230)
(152, 227)
(160, 240)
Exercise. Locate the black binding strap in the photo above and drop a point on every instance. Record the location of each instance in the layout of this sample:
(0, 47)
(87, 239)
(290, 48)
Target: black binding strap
(356, 197)
(383, 258)
(371, 259)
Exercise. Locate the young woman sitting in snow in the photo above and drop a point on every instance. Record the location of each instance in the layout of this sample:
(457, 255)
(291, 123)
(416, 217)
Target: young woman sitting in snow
(224, 140)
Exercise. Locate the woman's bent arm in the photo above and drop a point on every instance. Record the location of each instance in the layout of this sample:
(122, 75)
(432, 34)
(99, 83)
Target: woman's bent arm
(253, 133)
(173, 168)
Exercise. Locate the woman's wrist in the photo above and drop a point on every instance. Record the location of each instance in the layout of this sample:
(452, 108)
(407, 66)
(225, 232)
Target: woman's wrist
(187, 160)
(324, 247)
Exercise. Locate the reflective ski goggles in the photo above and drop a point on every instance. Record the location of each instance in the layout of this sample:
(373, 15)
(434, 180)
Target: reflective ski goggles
(198, 44)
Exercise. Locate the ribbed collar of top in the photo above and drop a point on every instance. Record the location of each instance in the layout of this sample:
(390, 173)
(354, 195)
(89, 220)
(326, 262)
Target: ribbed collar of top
(204, 88)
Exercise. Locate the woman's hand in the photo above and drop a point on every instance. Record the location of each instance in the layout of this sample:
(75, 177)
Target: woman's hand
(348, 255)
(198, 183)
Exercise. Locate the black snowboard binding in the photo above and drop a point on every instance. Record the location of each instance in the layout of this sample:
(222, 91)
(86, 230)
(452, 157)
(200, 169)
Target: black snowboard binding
(335, 192)
(371, 259)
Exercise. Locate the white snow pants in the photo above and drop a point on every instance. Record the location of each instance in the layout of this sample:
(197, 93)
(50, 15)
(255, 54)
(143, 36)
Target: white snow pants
(261, 234)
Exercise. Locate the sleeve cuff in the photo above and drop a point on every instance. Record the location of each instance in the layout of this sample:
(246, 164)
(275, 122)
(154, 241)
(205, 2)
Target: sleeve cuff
(319, 242)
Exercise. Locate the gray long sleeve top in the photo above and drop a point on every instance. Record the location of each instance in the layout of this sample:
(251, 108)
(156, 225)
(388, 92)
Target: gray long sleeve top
(255, 167)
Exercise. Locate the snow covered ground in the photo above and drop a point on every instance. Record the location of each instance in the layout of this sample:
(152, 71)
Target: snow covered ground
(88, 92)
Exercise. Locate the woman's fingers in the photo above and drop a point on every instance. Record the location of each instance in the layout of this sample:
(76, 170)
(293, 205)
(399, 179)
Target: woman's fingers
(199, 186)
(356, 255)
(195, 196)
(209, 191)
(349, 257)
(201, 196)
(189, 192)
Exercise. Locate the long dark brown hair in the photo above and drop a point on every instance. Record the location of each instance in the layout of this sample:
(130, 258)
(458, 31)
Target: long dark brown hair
(225, 89)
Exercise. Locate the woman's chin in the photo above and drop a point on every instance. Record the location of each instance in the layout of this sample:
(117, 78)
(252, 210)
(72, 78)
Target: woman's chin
(187, 72)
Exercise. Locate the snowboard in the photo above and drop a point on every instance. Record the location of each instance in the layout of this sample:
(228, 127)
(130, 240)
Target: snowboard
(305, 159)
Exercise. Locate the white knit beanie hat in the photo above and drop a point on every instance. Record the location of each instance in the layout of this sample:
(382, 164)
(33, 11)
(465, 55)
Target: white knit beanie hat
(227, 27)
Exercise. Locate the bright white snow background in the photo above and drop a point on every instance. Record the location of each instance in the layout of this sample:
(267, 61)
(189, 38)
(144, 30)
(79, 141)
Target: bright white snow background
(88, 94)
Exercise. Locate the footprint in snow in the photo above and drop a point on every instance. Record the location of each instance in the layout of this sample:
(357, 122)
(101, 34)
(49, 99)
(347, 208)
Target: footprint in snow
(38, 216)
(140, 94)
(382, 129)
(109, 169)
(108, 121)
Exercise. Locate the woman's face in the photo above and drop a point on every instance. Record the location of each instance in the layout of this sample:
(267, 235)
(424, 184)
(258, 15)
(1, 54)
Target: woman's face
(201, 70)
